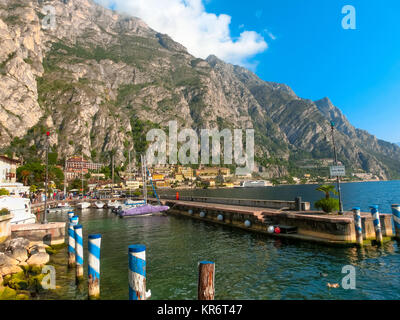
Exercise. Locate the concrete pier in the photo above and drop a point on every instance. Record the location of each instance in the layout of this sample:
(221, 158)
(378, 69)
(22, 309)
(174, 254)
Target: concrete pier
(303, 225)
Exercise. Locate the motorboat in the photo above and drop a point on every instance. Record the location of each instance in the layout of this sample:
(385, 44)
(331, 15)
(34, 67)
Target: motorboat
(84, 205)
(20, 208)
(131, 203)
(63, 205)
(113, 204)
(142, 211)
(143, 208)
(99, 204)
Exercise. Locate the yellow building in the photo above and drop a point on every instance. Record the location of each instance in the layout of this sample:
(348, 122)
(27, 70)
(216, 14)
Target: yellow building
(158, 177)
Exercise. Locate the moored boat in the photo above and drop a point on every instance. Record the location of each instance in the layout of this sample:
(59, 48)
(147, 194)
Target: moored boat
(83, 205)
(142, 211)
(20, 208)
(99, 205)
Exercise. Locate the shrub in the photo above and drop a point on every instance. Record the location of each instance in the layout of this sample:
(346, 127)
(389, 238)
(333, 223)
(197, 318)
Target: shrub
(4, 212)
(328, 205)
(4, 192)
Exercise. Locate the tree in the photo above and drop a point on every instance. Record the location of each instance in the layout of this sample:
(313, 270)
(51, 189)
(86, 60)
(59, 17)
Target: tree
(33, 188)
(327, 190)
(4, 192)
(328, 204)
(25, 176)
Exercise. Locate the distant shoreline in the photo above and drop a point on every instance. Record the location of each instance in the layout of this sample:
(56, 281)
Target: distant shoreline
(279, 185)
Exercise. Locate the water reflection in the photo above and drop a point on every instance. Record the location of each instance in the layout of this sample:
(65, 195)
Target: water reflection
(248, 266)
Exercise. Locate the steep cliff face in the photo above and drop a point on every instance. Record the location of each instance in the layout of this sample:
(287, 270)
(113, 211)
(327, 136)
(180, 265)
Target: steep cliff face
(99, 80)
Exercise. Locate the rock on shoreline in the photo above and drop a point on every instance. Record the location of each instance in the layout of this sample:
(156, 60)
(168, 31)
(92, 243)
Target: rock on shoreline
(20, 252)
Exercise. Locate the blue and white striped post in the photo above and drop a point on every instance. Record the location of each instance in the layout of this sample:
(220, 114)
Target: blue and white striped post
(396, 218)
(79, 252)
(71, 241)
(94, 266)
(137, 273)
(70, 214)
(358, 225)
(377, 223)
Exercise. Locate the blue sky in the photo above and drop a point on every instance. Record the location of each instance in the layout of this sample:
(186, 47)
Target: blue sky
(297, 42)
(359, 70)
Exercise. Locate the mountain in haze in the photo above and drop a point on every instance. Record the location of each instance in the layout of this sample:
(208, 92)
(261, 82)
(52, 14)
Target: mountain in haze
(100, 80)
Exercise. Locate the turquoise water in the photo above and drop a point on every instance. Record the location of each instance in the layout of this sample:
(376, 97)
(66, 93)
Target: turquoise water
(248, 266)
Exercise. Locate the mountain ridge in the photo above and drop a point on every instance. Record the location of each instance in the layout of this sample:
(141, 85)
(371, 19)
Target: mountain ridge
(101, 79)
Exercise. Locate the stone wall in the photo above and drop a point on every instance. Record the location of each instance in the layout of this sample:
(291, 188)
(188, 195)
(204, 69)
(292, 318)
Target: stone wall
(5, 228)
(50, 234)
(313, 227)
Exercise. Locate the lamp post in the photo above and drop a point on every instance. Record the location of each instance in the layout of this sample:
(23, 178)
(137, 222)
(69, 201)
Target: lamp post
(47, 177)
(341, 211)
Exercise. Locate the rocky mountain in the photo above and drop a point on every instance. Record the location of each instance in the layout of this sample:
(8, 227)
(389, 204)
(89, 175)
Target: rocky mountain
(99, 80)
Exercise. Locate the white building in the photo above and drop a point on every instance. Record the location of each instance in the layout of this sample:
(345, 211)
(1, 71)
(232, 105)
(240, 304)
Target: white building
(8, 169)
(8, 176)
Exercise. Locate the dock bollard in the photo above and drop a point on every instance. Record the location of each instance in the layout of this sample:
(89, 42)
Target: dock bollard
(71, 241)
(94, 266)
(358, 225)
(396, 219)
(70, 214)
(137, 273)
(79, 252)
(377, 223)
(206, 288)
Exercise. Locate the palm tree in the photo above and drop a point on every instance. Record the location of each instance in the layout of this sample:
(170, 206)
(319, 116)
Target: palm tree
(327, 189)
(24, 176)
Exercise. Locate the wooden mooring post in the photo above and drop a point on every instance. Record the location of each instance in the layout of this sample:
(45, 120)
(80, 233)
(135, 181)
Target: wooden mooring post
(137, 273)
(71, 241)
(79, 253)
(94, 266)
(396, 219)
(377, 223)
(206, 287)
(358, 225)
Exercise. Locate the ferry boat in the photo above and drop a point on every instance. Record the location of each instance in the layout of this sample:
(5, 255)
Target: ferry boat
(20, 208)
(255, 184)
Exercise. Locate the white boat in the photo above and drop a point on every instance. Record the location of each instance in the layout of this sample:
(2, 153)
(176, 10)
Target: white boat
(113, 204)
(63, 205)
(84, 205)
(99, 204)
(131, 203)
(255, 184)
(20, 208)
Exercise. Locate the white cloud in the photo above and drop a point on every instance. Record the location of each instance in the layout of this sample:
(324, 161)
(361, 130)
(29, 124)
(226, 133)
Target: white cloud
(187, 22)
(270, 34)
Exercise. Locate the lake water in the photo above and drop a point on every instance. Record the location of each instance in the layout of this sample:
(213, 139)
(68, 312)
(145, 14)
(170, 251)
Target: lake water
(248, 266)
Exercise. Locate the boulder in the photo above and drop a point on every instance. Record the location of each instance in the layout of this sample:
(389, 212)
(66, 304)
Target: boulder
(6, 270)
(18, 243)
(37, 249)
(19, 254)
(37, 243)
(5, 260)
(39, 259)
